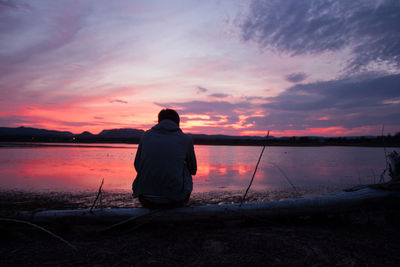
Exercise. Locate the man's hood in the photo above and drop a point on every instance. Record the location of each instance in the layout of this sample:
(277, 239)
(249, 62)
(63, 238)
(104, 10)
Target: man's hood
(166, 125)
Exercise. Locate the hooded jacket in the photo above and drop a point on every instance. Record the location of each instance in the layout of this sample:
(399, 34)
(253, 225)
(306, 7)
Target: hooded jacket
(165, 162)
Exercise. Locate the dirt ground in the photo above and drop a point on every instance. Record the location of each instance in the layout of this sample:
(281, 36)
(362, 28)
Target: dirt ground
(365, 238)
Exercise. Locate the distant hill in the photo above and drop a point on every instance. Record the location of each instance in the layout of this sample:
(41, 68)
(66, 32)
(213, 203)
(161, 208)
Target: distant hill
(121, 133)
(28, 133)
(85, 134)
(128, 135)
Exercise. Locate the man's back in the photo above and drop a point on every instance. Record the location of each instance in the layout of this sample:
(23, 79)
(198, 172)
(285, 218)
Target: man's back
(164, 163)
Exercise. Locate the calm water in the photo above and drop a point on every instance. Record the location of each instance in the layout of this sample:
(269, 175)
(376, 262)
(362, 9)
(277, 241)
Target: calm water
(219, 167)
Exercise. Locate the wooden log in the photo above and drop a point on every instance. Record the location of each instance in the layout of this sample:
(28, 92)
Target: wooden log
(334, 204)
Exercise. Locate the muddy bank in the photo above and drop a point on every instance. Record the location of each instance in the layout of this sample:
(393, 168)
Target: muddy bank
(12, 201)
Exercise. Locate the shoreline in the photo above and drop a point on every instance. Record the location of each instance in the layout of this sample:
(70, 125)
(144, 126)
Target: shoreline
(19, 200)
(38, 144)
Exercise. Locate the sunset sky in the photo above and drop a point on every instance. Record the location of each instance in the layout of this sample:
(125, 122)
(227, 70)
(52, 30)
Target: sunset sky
(329, 68)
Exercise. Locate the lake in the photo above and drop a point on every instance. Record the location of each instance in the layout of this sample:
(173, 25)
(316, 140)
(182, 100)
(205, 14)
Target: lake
(71, 168)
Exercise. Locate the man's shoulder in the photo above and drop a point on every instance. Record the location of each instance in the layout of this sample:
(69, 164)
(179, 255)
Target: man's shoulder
(187, 137)
(147, 132)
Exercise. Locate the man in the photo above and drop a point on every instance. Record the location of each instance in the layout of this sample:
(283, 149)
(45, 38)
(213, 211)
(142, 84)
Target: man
(165, 162)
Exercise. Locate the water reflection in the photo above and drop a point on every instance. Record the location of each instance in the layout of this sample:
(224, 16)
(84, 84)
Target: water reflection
(219, 167)
(65, 169)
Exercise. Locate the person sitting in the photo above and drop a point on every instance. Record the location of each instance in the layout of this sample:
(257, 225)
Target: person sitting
(165, 162)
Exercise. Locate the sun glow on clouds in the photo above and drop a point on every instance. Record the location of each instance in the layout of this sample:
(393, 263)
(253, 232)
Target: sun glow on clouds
(328, 131)
(193, 121)
(193, 117)
(89, 66)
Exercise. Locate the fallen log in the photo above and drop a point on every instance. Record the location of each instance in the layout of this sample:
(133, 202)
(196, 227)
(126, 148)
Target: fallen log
(334, 204)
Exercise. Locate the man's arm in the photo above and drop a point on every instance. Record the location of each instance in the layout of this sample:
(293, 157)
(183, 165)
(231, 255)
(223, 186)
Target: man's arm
(191, 159)
(138, 155)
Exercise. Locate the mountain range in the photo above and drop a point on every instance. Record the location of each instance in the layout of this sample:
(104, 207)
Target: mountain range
(128, 135)
(113, 135)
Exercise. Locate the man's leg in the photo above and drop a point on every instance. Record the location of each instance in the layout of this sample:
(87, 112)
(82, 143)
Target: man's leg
(147, 204)
(151, 205)
(186, 200)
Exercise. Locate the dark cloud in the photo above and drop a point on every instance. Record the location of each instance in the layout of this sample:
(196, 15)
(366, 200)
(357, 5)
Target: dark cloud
(219, 95)
(4, 4)
(118, 101)
(18, 120)
(296, 77)
(343, 94)
(14, 120)
(277, 121)
(215, 109)
(55, 32)
(76, 123)
(370, 29)
(201, 89)
(7, 5)
(347, 103)
(207, 107)
(251, 98)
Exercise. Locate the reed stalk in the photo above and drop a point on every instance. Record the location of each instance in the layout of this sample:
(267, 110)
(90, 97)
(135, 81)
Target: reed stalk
(255, 170)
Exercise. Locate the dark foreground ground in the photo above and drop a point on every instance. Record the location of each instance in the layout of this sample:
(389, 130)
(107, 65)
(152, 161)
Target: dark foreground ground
(364, 238)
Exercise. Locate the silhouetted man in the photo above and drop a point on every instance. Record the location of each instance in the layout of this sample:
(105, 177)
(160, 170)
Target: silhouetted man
(165, 162)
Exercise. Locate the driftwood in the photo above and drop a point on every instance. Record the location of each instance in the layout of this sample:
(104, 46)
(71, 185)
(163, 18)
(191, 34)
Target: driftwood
(335, 204)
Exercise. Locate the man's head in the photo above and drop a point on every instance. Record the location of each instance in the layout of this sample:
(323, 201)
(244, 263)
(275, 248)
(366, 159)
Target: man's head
(168, 114)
